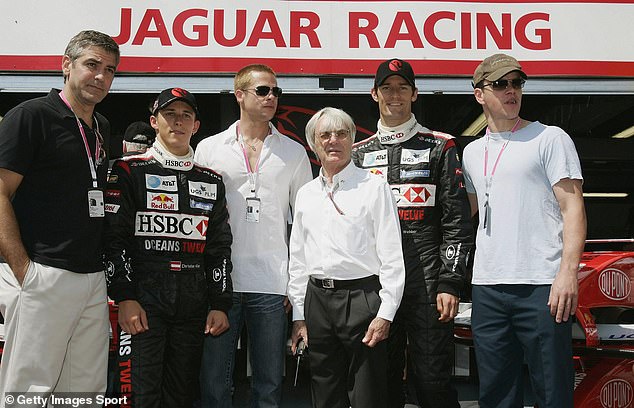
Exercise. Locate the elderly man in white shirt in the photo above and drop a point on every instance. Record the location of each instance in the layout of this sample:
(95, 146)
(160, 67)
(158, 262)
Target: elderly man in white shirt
(346, 270)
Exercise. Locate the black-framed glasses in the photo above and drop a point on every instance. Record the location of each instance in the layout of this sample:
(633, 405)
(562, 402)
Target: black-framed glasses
(263, 90)
(502, 84)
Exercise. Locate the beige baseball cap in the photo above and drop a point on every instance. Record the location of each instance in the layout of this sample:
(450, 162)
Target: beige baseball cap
(495, 67)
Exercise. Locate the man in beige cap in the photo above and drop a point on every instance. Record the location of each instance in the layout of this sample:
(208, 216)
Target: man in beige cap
(525, 180)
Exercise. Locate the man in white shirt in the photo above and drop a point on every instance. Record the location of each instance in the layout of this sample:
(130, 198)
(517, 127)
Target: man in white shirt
(346, 271)
(262, 170)
(525, 180)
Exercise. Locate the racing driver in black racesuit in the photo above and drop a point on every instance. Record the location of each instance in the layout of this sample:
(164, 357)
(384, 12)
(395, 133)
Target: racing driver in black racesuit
(425, 174)
(168, 259)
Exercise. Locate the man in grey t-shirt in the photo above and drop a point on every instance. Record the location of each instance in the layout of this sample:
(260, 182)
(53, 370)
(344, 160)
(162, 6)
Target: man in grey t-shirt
(525, 180)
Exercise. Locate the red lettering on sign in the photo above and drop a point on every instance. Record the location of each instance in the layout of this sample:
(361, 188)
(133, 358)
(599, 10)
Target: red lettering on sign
(367, 30)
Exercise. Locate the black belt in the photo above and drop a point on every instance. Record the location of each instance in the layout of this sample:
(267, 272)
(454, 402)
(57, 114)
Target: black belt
(369, 282)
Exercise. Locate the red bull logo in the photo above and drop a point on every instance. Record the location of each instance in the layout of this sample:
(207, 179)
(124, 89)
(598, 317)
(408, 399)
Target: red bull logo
(615, 284)
(162, 201)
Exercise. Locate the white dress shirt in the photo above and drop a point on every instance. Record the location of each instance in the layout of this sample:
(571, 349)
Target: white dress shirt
(354, 235)
(259, 252)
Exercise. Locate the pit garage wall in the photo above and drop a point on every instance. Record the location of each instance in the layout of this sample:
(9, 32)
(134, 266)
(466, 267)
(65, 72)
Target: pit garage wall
(608, 164)
(325, 53)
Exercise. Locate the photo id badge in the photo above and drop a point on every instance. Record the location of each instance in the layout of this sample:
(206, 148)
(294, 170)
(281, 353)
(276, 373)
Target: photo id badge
(253, 209)
(95, 203)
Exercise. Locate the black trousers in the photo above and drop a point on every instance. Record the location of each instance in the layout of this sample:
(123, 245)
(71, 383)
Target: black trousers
(428, 344)
(344, 371)
(159, 368)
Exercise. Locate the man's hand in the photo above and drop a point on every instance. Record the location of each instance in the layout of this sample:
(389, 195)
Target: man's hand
(378, 330)
(217, 322)
(132, 317)
(300, 332)
(447, 306)
(564, 294)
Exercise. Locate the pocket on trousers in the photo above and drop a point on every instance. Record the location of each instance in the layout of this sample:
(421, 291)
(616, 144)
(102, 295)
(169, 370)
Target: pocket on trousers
(373, 301)
(9, 278)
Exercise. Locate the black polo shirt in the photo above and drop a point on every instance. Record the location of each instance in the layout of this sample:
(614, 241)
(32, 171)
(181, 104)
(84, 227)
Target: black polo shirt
(40, 140)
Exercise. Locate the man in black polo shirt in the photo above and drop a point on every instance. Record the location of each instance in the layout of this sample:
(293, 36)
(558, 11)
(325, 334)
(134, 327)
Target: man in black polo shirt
(52, 285)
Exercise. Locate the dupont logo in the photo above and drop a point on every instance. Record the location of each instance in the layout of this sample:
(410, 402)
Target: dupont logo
(615, 284)
(616, 393)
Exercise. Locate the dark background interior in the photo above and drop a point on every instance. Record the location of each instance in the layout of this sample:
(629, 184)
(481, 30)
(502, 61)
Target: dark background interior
(591, 120)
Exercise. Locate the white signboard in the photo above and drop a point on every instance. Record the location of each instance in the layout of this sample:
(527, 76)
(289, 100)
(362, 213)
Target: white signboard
(562, 38)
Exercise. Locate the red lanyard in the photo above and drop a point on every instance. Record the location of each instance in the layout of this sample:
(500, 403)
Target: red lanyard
(486, 150)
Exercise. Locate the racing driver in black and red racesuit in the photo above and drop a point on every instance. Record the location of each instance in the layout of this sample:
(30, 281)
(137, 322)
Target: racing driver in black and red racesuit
(168, 259)
(424, 172)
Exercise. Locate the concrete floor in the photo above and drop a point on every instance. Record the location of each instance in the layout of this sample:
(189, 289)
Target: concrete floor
(299, 396)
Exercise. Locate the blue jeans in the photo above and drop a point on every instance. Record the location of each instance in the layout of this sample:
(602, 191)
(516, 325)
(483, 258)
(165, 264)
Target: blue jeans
(267, 324)
(512, 324)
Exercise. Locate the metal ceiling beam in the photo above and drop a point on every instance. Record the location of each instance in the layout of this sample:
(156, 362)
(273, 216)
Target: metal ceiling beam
(310, 85)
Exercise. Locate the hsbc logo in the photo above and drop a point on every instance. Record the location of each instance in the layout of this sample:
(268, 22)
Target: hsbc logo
(616, 393)
(615, 284)
(164, 183)
(177, 164)
(378, 158)
(162, 201)
(414, 156)
(184, 226)
(387, 138)
(203, 190)
(414, 195)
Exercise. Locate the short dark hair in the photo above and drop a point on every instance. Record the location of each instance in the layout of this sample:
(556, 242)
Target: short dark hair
(91, 38)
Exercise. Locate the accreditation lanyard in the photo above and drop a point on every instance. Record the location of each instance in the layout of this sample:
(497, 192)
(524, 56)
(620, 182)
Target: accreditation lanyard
(91, 162)
(488, 180)
(252, 174)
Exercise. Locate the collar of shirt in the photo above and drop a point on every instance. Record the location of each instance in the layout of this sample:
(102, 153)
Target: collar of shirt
(338, 180)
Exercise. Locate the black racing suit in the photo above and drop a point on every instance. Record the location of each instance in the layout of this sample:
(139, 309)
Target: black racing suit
(168, 246)
(424, 171)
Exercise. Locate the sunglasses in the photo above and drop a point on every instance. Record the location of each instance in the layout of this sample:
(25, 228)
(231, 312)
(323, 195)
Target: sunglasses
(263, 90)
(502, 84)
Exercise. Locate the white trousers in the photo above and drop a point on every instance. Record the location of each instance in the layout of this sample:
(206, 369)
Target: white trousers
(56, 331)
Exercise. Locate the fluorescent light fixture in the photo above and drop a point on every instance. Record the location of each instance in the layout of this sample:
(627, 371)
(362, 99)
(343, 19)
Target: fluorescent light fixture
(605, 195)
(629, 132)
(476, 127)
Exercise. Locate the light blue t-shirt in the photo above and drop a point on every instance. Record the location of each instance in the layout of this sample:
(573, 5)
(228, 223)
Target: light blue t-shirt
(522, 243)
